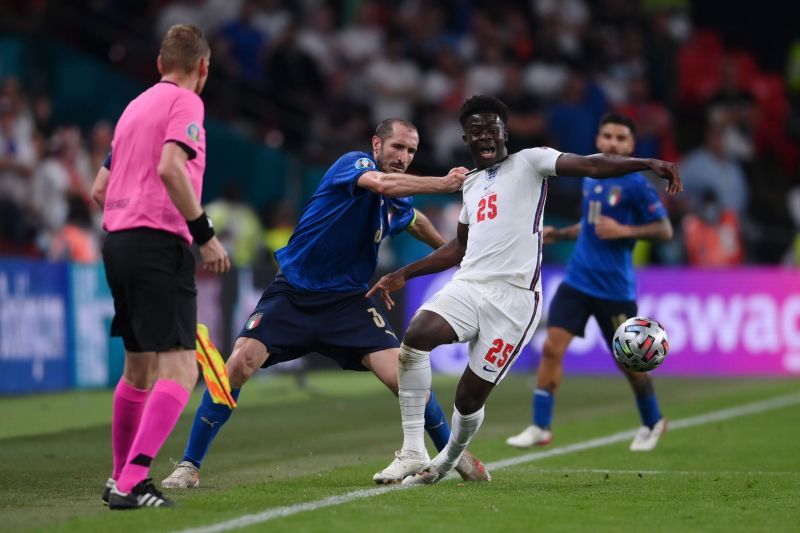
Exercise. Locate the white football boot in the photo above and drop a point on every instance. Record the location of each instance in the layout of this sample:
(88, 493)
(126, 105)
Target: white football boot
(405, 464)
(530, 436)
(646, 438)
(185, 476)
(429, 476)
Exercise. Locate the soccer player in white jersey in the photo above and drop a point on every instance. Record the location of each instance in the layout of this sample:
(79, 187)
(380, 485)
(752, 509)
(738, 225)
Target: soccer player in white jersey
(494, 301)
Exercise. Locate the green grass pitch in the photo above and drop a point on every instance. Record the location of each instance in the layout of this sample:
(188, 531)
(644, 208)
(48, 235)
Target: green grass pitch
(286, 446)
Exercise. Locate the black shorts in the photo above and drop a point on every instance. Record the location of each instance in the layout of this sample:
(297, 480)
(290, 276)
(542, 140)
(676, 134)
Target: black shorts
(571, 309)
(151, 275)
(292, 323)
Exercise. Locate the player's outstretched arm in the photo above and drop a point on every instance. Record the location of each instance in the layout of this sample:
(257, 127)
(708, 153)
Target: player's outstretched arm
(396, 184)
(609, 166)
(422, 229)
(608, 228)
(441, 259)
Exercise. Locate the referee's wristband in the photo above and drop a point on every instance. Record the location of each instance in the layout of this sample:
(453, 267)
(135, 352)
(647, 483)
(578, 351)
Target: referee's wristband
(201, 228)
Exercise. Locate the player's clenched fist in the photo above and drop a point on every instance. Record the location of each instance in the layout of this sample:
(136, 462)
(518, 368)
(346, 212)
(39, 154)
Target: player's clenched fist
(215, 258)
(455, 178)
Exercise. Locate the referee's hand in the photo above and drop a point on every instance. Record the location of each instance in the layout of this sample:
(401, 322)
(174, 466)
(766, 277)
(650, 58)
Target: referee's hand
(215, 258)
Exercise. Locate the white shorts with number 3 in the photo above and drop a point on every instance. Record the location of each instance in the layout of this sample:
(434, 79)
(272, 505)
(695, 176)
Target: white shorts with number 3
(496, 318)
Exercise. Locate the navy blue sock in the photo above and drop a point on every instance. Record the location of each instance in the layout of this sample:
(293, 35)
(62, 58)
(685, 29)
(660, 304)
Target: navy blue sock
(648, 409)
(208, 419)
(542, 407)
(436, 423)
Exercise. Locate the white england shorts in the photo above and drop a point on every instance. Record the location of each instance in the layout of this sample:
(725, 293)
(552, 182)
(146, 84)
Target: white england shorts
(496, 318)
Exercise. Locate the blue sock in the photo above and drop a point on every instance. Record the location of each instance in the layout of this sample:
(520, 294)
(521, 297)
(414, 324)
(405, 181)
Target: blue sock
(436, 423)
(543, 401)
(208, 419)
(648, 409)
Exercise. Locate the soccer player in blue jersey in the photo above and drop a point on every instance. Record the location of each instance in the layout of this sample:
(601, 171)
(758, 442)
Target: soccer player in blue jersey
(600, 282)
(317, 303)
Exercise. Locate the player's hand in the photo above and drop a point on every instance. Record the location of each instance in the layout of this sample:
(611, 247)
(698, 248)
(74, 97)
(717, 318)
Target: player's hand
(215, 258)
(387, 284)
(669, 172)
(550, 235)
(455, 179)
(608, 228)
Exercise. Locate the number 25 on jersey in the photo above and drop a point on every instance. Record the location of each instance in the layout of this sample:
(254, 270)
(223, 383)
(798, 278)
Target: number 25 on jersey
(487, 207)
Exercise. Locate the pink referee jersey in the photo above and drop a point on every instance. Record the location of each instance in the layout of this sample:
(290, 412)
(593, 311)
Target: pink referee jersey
(136, 195)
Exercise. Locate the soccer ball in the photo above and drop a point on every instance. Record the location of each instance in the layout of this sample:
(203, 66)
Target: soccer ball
(640, 344)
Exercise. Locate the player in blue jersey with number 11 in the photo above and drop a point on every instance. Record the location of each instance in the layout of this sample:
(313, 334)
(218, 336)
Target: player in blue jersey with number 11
(317, 304)
(600, 282)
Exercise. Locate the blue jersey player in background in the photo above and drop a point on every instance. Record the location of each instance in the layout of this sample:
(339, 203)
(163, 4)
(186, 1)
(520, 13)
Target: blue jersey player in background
(317, 303)
(600, 282)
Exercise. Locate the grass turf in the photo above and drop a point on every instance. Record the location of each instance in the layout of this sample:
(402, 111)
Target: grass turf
(285, 446)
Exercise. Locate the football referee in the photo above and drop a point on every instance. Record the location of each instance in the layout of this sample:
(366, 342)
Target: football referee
(150, 190)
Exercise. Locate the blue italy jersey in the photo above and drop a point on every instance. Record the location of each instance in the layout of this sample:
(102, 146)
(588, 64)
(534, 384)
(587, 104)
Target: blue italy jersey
(604, 268)
(335, 245)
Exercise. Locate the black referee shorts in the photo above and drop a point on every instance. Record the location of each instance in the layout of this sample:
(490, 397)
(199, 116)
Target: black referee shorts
(151, 275)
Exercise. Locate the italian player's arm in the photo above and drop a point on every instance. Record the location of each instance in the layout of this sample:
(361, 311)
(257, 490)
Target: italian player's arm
(660, 230)
(608, 228)
(396, 184)
(358, 174)
(441, 259)
(422, 229)
(650, 218)
(403, 217)
(601, 166)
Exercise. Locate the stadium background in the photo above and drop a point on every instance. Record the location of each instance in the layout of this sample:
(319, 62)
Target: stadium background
(295, 84)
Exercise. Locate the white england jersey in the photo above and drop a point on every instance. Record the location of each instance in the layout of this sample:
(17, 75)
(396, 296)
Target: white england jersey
(503, 206)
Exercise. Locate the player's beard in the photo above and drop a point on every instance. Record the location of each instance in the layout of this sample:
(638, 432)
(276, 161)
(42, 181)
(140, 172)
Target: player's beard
(383, 164)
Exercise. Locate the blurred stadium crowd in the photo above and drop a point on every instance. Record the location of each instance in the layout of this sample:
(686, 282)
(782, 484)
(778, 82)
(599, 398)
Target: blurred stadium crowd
(312, 78)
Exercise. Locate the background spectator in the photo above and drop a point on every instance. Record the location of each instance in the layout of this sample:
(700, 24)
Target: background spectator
(294, 86)
(713, 237)
(394, 83)
(308, 80)
(239, 46)
(710, 168)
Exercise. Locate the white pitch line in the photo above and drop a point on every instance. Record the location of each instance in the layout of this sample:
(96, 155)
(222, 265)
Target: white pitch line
(714, 416)
(277, 512)
(666, 472)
